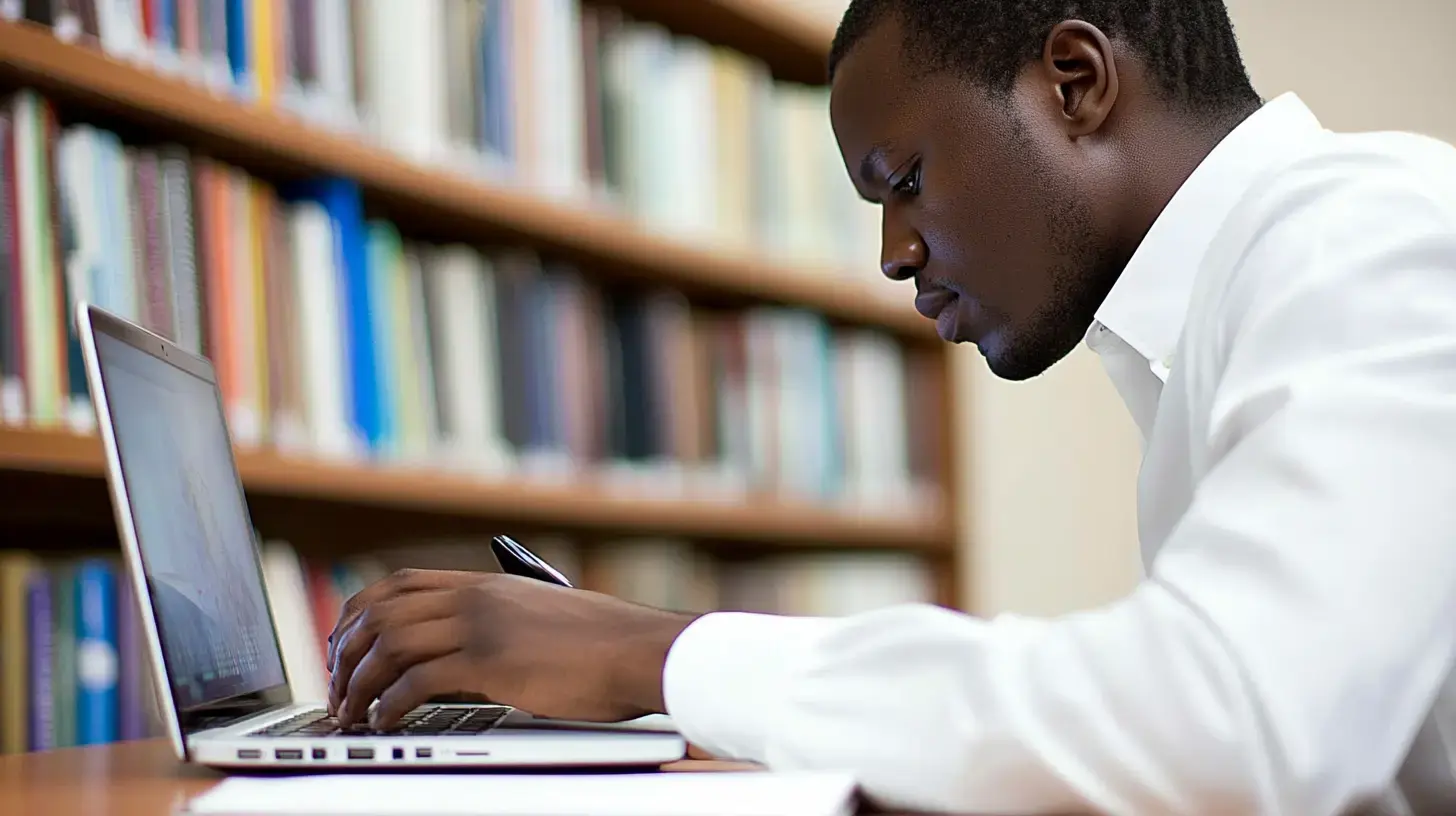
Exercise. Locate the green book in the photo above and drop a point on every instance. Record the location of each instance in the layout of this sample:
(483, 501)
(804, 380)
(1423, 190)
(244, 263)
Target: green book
(63, 672)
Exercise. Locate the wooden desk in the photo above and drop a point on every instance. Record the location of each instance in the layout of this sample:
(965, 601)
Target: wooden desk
(126, 779)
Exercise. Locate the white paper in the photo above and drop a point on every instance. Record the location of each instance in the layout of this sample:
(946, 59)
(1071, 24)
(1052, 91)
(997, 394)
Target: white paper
(748, 793)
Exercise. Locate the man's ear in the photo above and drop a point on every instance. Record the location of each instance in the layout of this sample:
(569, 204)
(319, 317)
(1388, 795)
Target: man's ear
(1079, 61)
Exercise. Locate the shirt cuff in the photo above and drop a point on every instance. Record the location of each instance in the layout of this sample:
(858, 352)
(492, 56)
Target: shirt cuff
(728, 678)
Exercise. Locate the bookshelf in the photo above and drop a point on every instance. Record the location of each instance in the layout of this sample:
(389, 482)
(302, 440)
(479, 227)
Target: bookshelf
(269, 140)
(793, 45)
(417, 492)
(329, 522)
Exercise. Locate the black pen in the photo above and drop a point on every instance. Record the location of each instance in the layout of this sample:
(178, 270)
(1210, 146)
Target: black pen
(517, 560)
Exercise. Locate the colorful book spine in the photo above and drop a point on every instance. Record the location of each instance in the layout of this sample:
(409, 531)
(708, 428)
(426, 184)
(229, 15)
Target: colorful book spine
(343, 200)
(96, 657)
(15, 571)
(42, 694)
(63, 673)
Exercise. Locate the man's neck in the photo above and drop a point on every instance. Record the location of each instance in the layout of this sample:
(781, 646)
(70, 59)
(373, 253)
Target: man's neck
(1166, 150)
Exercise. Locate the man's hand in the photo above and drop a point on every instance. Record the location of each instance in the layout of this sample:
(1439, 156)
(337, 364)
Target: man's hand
(548, 650)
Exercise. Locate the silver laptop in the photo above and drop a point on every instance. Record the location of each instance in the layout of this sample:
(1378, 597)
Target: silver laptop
(190, 553)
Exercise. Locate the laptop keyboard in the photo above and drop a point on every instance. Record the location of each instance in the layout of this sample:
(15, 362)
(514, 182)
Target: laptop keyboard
(425, 721)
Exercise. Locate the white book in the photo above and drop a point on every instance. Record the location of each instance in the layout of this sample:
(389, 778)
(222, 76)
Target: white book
(113, 202)
(462, 303)
(424, 433)
(303, 659)
(695, 114)
(334, 48)
(770, 167)
(558, 98)
(75, 183)
(803, 423)
(407, 92)
(881, 431)
(837, 584)
(316, 282)
(119, 24)
(458, 55)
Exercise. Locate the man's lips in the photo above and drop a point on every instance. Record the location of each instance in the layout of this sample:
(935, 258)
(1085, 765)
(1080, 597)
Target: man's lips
(931, 303)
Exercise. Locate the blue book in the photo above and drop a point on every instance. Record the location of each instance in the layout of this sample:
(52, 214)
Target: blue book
(237, 44)
(495, 56)
(96, 656)
(164, 15)
(344, 202)
(42, 694)
(384, 253)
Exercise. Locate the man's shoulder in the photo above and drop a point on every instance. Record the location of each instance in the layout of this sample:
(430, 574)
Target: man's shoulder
(1337, 168)
(1337, 217)
(1343, 192)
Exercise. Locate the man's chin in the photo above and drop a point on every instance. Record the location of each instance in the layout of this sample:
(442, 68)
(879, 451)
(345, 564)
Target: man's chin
(1009, 363)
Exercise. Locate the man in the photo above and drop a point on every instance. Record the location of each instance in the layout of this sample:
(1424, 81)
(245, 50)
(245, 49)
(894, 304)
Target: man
(1277, 306)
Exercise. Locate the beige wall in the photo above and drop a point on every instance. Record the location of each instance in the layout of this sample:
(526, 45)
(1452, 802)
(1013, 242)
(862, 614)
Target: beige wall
(1051, 489)
(1052, 527)
(1360, 64)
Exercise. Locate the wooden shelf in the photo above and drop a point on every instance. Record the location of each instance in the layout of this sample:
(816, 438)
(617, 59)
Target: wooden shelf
(568, 508)
(450, 204)
(794, 47)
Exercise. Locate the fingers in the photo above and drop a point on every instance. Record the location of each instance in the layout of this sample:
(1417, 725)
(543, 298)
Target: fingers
(401, 582)
(383, 616)
(417, 684)
(393, 653)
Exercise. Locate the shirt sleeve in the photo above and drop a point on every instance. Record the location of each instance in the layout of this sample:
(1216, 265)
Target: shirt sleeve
(1292, 633)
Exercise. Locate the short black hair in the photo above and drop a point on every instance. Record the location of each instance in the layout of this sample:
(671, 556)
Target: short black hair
(1188, 46)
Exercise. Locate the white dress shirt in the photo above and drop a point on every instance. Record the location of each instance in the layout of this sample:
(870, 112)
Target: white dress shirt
(1285, 338)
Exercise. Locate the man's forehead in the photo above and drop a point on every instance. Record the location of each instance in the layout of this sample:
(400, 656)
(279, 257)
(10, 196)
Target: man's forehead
(871, 107)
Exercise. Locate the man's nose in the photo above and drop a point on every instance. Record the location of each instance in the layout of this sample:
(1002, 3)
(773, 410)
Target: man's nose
(902, 252)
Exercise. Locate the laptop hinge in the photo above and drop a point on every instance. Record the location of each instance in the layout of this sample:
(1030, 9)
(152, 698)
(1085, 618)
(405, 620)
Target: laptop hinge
(223, 716)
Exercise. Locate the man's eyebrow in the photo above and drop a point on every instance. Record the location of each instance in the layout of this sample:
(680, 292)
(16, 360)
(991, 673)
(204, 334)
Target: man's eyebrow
(867, 165)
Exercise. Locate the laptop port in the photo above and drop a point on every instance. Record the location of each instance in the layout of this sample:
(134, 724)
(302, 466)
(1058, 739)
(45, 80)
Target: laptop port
(250, 753)
(399, 753)
(361, 753)
(320, 753)
(424, 753)
(288, 753)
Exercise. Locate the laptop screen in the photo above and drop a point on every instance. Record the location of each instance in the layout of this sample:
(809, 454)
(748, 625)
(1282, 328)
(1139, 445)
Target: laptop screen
(192, 528)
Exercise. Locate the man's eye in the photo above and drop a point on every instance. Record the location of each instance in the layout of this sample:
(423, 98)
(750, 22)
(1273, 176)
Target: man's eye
(910, 184)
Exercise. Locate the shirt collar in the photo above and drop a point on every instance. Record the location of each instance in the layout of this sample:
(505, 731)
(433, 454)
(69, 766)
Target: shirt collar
(1149, 303)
